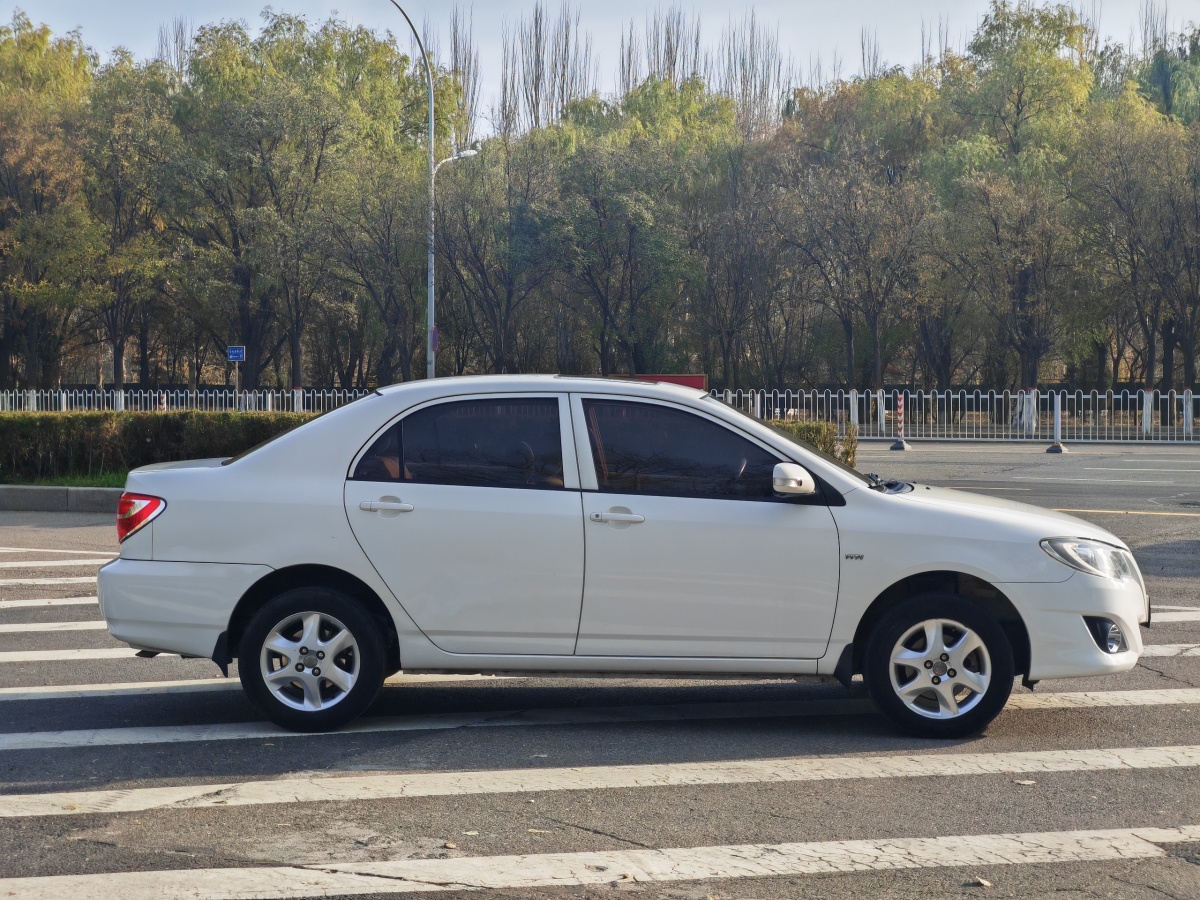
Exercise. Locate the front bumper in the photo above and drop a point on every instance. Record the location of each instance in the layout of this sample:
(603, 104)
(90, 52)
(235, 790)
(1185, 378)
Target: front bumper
(172, 607)
(1059, 641)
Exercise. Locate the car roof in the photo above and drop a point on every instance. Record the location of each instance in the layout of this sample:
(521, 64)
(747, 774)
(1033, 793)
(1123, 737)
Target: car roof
(577, 383)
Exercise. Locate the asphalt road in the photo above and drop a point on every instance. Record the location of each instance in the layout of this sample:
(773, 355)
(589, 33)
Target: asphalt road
(150, 778)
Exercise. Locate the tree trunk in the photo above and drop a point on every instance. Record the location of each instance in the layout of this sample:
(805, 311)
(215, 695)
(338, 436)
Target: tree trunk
(1188, 345)
(118, 355)
(295, 344)
(848, 330)
(144, 355)
(877, 351)
(1167, 382)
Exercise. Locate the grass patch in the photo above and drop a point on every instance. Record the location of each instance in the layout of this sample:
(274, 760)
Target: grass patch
(93, 479)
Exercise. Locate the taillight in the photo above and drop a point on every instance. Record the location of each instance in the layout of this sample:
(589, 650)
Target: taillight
(136, 510)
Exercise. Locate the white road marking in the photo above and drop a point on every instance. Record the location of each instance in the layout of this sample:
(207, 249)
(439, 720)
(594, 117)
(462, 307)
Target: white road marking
(26, 627)
(22, 656)
(1134, 469)
(54, 563)
(177, 734)
(1087, 480)
(591, 778)
(972, 488)
(7, 582)
(1160, 650)
(44, 550)
(1156, 607)
(117, 689)
(609, 867)
(47, 601)
(1190, 616)
(188, 686)
(1132, 512)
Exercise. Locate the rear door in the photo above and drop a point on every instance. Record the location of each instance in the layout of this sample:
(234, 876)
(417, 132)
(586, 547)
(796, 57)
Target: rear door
(470, 510)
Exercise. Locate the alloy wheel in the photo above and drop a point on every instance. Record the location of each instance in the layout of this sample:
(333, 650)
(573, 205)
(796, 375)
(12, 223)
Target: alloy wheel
(310, 661)
(940, 669)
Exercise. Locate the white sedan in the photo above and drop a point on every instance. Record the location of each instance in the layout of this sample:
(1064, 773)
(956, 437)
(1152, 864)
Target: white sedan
(581, 526)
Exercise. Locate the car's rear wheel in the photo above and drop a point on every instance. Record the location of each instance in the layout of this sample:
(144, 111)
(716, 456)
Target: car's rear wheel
(939, 667)
(312, 659)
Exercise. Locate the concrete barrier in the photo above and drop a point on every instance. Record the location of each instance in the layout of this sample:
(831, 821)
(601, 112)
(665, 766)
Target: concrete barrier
(27, 498)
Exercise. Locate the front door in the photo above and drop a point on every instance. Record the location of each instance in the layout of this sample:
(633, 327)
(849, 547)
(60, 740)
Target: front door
(469, 512)
(689, 551)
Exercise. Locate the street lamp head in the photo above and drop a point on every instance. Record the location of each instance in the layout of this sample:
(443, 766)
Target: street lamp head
(465, 154)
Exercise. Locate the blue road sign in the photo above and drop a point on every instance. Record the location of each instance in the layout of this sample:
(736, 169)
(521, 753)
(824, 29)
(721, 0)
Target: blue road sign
(237, 353)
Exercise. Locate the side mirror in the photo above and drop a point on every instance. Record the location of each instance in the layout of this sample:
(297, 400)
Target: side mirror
(790, 478)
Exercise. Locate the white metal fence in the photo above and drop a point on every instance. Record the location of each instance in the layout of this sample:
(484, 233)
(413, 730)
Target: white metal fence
(1053, 416)
(210, 400)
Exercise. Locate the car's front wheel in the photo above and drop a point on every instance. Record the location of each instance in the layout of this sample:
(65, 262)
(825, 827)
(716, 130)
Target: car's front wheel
(938, 666)
(312, 659)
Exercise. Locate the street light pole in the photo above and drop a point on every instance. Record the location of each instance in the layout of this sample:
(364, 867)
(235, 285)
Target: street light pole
(430, 322)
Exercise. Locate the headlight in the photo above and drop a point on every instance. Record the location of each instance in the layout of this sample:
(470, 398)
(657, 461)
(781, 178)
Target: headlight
(1095, 558)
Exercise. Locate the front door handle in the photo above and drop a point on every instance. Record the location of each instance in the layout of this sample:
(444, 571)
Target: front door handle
(623, 517)
(385, 506)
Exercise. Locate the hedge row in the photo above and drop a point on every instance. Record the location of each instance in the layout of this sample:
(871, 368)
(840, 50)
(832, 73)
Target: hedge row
(824, 436)
(40, 445)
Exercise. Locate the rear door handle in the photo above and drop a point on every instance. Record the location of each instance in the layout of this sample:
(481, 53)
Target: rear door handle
(385, 506)
(628, 518)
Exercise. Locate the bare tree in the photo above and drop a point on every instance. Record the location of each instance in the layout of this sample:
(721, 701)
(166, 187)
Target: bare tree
(752, 71)
(672, 47)
(464, 65)
(872, 58)
(545, 67)
(175, 46)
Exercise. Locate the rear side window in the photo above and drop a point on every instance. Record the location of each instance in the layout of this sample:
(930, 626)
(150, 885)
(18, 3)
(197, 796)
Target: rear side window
(484, 443)
(642, 448)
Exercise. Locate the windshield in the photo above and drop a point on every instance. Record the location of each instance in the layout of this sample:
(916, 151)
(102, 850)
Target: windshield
(829, 458)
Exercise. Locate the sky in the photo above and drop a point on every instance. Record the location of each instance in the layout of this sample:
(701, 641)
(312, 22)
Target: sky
(808, 29)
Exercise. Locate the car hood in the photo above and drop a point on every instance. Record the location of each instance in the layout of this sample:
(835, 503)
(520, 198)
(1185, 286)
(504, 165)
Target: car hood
(1036, 519)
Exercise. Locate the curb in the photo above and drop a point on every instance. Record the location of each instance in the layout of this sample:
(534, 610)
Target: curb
(27, 498)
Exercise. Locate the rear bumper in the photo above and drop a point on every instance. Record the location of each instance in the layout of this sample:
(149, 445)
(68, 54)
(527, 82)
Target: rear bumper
(172, 607)
(1059, 641)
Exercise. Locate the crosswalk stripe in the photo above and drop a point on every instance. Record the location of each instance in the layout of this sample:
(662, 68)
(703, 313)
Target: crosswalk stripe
(513, 781)
(21, 656)
(1160, 650)
(763, 709)
(17, 582)
(188, 686)
(610, 867)
(117, 689)
(47, 601)
(28, 627)
(1177, 616)
(110, 555)
(1125, 512)
(1102, 699)
(54, 563)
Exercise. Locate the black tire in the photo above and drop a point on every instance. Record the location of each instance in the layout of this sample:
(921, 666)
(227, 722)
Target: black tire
(311, 701)
(959, 703)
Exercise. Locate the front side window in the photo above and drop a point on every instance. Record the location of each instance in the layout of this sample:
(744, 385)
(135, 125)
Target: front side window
(486, 443)
(642, 448)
